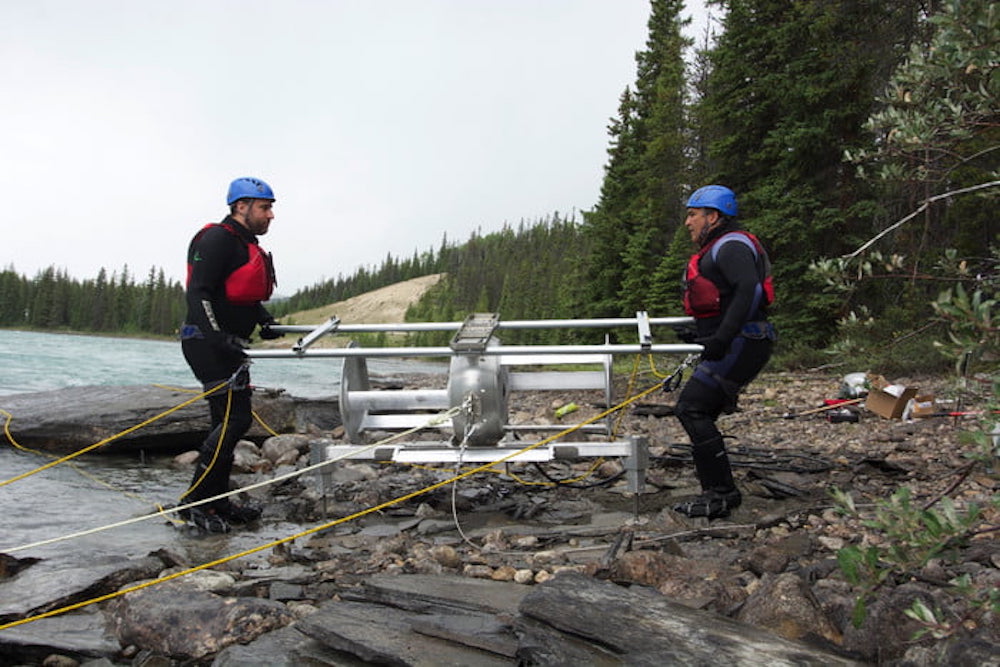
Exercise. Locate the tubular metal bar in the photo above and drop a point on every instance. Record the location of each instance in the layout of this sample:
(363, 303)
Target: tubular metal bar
(445, 453)
(500, 350)
(609, 322)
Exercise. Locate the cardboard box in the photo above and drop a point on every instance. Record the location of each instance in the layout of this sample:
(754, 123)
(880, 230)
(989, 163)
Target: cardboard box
(888, 400)
(924, 406)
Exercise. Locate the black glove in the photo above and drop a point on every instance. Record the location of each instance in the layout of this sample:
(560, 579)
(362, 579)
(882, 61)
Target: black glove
(228, 343)
(267, 333)
(714, 350)
(686, 333)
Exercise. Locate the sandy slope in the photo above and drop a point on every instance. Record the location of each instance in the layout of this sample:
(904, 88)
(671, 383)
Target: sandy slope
(387, 304)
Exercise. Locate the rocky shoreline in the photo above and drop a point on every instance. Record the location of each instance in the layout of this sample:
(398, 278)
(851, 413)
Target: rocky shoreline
(531, 562)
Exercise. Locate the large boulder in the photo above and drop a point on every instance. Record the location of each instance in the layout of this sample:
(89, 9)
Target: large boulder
(145, 417)
(186, 622)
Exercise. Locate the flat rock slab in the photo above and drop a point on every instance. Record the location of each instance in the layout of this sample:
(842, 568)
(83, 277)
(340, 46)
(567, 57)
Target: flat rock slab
(286, 647)
(66, 420)
(444, 593)
(42, 587)
(386, 635)
(646, 628)
(81, 635)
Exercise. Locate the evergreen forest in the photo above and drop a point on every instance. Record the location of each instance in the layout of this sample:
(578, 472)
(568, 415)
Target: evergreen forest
(861, 137)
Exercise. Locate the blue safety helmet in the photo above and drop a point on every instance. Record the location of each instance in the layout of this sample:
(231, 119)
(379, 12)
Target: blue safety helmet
(248, 188)
(718, 197)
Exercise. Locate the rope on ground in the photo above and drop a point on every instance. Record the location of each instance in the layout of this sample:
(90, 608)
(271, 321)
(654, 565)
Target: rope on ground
(330, 524)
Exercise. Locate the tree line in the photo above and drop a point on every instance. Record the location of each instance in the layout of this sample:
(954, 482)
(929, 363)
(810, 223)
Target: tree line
(861, 138)
(52, 300)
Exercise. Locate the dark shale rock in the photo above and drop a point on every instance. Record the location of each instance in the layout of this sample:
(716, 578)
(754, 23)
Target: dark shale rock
(11, 565)
(45, 587)
(387, 636)
(81, 635)
(175, 620)
(66, 420)
(642, 627)
(286, 647)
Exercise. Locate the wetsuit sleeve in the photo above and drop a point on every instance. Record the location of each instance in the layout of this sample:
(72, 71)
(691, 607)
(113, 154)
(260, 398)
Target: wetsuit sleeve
(263, 315)
(738, 265)
(209, 257)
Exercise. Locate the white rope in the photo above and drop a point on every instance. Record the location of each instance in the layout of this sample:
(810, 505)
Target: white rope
(433, 421)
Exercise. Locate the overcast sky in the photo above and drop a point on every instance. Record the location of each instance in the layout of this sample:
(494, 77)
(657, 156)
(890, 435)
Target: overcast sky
(382, 125)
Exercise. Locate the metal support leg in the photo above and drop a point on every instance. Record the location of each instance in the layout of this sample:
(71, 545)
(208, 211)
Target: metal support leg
(317, 455)
(636, 464)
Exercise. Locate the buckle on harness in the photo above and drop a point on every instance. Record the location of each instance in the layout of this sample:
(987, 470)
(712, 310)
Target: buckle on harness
(759, 331)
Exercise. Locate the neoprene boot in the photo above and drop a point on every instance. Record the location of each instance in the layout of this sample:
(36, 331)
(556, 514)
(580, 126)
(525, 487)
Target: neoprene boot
(719, 494)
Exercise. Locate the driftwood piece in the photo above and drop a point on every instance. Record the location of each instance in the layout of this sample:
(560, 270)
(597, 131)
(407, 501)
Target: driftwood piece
(643, 627)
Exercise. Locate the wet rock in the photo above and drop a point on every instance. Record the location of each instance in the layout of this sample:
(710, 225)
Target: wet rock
(179, 621)
(88, 415)
(79, 635)
(785, 605)
(11, 565)
(47, 586)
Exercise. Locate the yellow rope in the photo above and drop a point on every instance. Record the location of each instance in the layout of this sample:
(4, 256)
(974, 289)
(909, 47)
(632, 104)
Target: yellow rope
(218, 445)
(166, 512)
(94, 446)
(328, 525)
(80, 471)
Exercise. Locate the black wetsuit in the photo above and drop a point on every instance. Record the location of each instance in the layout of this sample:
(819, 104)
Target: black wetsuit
(735, 268)
(210, 342)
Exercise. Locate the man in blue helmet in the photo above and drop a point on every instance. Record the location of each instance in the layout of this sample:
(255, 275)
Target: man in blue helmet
(727, 289)
(228, 278)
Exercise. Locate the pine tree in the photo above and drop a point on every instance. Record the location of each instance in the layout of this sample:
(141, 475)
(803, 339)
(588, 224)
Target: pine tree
(790, 86)
(640, 204)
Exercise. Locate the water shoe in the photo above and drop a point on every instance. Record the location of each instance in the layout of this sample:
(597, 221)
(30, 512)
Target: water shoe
(205, 520)
(711, 504)
(238, 514)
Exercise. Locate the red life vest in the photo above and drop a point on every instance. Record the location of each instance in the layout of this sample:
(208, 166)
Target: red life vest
(701, 295)
(251, 282)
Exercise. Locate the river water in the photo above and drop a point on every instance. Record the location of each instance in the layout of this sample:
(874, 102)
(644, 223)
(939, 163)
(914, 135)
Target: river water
(98, 490)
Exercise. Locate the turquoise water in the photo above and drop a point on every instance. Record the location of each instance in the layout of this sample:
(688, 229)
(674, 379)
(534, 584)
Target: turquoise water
(39, 362)
(61, 500)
